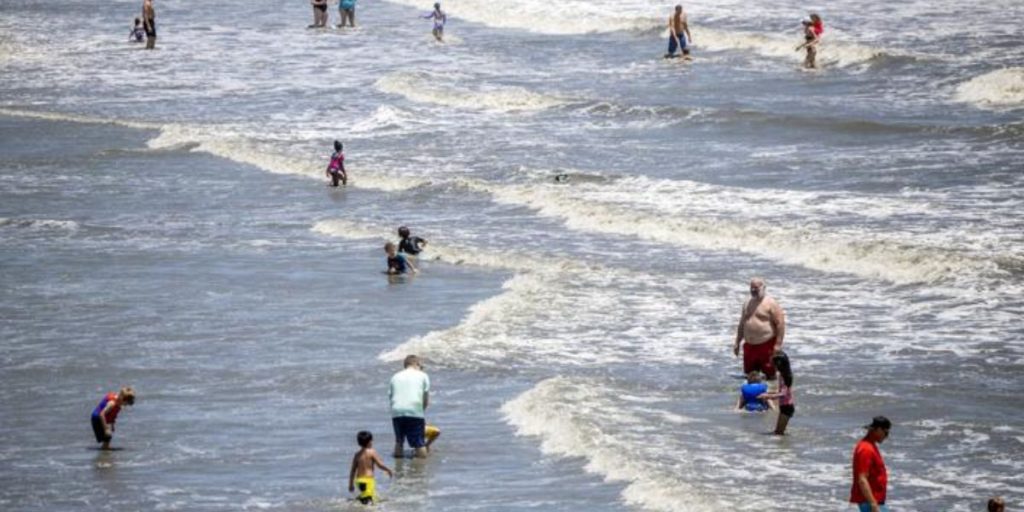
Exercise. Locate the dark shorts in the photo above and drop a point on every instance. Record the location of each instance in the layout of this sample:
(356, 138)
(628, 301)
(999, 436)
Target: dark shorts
(410, 429)
(97, 430)
(151, 31)
(787, 410)
(321, 7)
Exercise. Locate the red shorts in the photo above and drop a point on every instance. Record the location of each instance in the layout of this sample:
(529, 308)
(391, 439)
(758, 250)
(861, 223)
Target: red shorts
(759, 357)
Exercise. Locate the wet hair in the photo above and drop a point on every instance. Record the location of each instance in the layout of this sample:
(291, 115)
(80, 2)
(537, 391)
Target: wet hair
(364, 437)
(411, 360)
(754, 376)
(437, 5)
(781, 363)
(337, 145)
(815, 18)
(996, 505)
(389, 246)
(137, 21)
(403, 231)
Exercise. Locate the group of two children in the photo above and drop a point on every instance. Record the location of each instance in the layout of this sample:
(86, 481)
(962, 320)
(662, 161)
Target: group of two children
(755, 396)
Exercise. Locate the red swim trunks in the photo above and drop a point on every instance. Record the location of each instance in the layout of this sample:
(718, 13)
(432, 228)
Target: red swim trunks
(759, 357)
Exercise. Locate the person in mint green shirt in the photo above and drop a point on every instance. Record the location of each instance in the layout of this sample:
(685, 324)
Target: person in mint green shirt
(410, 395)
(347, 10)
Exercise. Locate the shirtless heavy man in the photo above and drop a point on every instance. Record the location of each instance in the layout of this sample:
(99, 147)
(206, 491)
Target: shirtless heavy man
(762, 326)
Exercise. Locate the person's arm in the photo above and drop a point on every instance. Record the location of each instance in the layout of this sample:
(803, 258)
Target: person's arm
(865, 490)
(779, 323)
(739, 401)
(426, 391)
(686, 28)
(352, 474)
(412, 268)
(380, 464)
(739, 331)
(107, 427)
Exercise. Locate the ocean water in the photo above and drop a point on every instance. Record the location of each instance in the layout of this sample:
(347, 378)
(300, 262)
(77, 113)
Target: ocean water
(164, 223)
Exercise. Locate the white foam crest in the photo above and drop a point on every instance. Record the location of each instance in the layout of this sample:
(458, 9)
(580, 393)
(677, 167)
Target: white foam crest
(422, 88)
(384, 118)
(267, 159)
(451, 253)
(40, 224)
(545, 17)
(76, 118)
(477, 332)
(566, 317)
(888, 260)
(552, 411)
(1000, 88)
(830, 51)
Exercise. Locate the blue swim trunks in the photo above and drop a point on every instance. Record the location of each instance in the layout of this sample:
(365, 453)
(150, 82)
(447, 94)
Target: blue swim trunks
(410, 429)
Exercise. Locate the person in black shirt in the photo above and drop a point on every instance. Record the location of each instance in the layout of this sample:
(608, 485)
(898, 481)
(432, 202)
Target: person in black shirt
(411, 245)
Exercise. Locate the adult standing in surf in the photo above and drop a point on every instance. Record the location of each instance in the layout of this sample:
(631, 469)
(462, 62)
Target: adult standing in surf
(347, 11)
(677, 27)
(440, 18)
(410, 396)
(319, 13)
(762, 327)
(870, 477)
(149, 23)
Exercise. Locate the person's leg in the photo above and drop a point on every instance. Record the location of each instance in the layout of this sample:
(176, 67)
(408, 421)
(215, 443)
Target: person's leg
(785, 412)
(749, 354)
(671, 46)
(396, 424)
(812, 57)
(766, 359)
(352, 17)
(417, 436)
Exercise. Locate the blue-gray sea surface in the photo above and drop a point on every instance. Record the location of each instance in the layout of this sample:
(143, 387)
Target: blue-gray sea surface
(164, 223)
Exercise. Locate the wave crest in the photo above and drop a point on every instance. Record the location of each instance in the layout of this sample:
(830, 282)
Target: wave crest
(1000, 88)
(423, 88)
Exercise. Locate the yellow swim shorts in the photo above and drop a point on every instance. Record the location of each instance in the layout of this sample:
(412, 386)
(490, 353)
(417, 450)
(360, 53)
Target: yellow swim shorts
(367, 488)
(431, 432)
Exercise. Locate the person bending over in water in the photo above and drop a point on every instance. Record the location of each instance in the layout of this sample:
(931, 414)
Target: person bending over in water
(677, 27)
(361, 474)
(787, 407)
(105, 414)
(336, 168)
(813, 29)
(439, 18)
(411, 245)
(398, 264)
(138, 34)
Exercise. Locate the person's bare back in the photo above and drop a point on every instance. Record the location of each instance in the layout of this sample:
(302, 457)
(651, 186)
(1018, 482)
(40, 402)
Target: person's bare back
(365, 460)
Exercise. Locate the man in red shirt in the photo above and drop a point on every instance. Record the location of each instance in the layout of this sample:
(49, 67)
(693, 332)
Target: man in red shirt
(870, 477)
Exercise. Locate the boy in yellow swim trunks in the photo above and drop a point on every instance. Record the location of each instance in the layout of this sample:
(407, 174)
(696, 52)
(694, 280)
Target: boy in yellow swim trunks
(363, 463)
